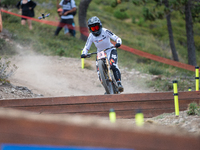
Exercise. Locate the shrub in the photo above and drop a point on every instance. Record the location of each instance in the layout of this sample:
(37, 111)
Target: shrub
(133, 19)
(108, 9)
(6, 48)
(6, 70)
(120, 14)
(155, 71)
(141, 22)
(160, 84)
(113, 3)
(60, 52)
(193, 109)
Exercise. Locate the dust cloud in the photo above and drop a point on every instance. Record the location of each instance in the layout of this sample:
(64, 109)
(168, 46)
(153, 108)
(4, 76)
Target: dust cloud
(61, 76)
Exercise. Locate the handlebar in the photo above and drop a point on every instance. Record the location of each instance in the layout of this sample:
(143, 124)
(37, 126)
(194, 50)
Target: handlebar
(89, 54)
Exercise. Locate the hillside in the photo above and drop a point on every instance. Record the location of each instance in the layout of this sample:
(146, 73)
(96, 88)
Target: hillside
(143, 35)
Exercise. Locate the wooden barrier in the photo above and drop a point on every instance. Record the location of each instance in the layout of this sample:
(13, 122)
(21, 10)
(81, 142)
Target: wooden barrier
(125, 105)
(21, 127)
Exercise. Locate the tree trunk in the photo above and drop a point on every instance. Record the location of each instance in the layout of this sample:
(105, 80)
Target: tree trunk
(170, 32)
(83, 6)
(190, 36)
(171, 39)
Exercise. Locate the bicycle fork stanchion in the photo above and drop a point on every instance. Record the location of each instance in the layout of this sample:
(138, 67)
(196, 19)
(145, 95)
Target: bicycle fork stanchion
(109, 74)
(176, 97)
(197, 78)
(82, 62)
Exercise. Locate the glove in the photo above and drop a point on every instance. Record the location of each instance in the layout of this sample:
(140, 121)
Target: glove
(83, 56)
(117, 45)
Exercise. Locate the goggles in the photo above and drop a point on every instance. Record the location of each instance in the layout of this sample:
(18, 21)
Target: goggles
(95, 28)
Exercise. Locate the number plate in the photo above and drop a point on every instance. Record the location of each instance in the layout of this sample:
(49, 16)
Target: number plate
(101, 55)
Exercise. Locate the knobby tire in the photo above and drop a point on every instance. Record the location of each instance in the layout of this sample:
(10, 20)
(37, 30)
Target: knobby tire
(104, 77)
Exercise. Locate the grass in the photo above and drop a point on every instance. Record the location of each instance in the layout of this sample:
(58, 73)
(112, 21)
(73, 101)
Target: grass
(163, 116)
(151, 37)
(6, 70)
(193, 109)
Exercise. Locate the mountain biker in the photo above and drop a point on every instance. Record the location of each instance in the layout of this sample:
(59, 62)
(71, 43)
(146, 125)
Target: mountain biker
(101, 38)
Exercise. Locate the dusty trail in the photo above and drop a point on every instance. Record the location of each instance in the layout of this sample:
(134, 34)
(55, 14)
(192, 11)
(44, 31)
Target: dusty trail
(60, 76)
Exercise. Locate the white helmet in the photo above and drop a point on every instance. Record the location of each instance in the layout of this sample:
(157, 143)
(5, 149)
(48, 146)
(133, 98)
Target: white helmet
(95, 26)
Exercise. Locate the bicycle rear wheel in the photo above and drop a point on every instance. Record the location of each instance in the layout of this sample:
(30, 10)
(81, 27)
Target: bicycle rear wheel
(104, 77)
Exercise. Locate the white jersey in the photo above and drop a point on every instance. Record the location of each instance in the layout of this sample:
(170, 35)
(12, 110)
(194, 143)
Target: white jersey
(102, 41)
(66, 7)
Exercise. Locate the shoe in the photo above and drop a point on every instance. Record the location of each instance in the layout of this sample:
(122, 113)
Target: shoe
(120, 87)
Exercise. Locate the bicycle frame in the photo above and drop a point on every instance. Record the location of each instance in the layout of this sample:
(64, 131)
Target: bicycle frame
(102, 55)
(103, 59)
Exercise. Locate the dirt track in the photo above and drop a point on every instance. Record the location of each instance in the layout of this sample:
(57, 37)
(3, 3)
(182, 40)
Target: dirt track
(60, 76)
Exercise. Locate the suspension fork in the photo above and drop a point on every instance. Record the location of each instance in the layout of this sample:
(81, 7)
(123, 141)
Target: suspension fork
(108, 67)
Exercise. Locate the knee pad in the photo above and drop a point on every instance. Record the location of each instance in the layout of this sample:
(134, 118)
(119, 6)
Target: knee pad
(116, 72)
(113, 67)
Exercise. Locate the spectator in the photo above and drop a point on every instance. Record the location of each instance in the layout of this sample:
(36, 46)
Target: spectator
(66, 30)
(27, 9)
(67, 17)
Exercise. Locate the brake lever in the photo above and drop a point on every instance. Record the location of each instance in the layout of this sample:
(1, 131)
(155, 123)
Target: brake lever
(88, 56)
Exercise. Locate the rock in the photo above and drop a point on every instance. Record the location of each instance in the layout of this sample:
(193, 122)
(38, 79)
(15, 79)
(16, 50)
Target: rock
(9, 91)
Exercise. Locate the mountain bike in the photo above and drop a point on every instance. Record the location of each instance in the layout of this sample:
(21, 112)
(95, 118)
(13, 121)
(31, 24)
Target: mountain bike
(106, 75)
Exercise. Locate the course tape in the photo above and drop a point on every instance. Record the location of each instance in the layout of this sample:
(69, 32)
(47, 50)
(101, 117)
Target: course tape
(84, 31)
(158, 58)
(52, 23)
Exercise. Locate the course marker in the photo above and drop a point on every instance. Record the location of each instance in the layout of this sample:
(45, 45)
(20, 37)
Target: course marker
(197, 78)
(112, 115)
(176, 97)
(139, 118)
(82, 62)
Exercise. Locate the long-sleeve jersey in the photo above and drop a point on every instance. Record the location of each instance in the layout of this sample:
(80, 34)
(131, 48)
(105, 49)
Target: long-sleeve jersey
(102, 41)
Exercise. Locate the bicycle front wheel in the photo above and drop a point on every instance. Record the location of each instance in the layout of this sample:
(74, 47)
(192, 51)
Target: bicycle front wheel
(104, 77)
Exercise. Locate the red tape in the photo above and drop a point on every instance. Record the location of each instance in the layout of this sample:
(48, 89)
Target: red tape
(158, 58)
(84, 31)
(52, 23)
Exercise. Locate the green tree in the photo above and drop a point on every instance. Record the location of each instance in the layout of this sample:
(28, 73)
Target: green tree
(157, 13)
(190, 35)
(190, 9)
